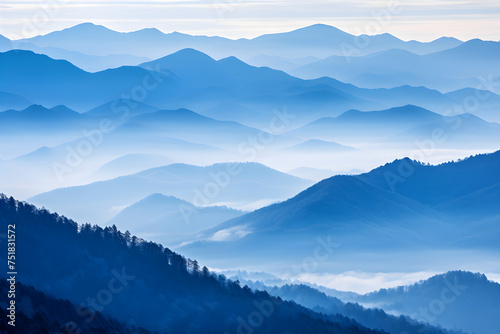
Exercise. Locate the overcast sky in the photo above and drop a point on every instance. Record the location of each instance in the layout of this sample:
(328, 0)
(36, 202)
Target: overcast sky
(422, 20)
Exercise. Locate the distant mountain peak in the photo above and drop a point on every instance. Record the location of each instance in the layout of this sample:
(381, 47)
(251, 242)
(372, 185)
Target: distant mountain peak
(35, 107)
(394, 52)
(233, 60)
(445, 38)
(407, 110)
(315, 144)
(87, 27)
(163, 199)
(176, 113)
(149, 31)
(321, 27)
(62, 108)
(386, 36)
(312, 32)
(462, 274)
(4, 39)
(409, 107)
(187, 55)
(177, 33)
(37, 111)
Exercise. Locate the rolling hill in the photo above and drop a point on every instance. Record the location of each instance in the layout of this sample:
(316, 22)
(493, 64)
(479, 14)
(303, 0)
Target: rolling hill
(399, 125)
(319, 40)
(238, 185)
(446, 70)
(456, 299)
(169, 220)
(139, 283)
(53, 82)
(399, 206)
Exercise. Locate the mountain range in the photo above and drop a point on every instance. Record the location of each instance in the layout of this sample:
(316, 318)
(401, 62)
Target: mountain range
(406, 124)
(174, 141)
(169, 220)
(453, 300)
(114, 277)
(447, 70)
(403, 207)
(318, 50)
(317, 40)
(175, 81)
(444, 300)
(238, 185)
(142, 270)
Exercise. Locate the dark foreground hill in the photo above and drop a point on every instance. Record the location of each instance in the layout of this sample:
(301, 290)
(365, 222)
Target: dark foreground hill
(39, 313)
(143, 283)
(456, 299)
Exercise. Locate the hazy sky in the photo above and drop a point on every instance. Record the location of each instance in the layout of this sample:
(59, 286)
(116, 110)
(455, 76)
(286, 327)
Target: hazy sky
(409, 19)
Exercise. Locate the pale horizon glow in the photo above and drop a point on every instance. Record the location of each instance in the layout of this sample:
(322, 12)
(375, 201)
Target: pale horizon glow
(362, 283)
(349, 281)
(418, 20)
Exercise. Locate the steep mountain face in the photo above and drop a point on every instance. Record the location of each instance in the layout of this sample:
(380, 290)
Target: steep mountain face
(142, 283)
(402, 205)
(230, 73)
(456, 299)
(433, 185)
(203, 71)
(479, 203)
(341, 198)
